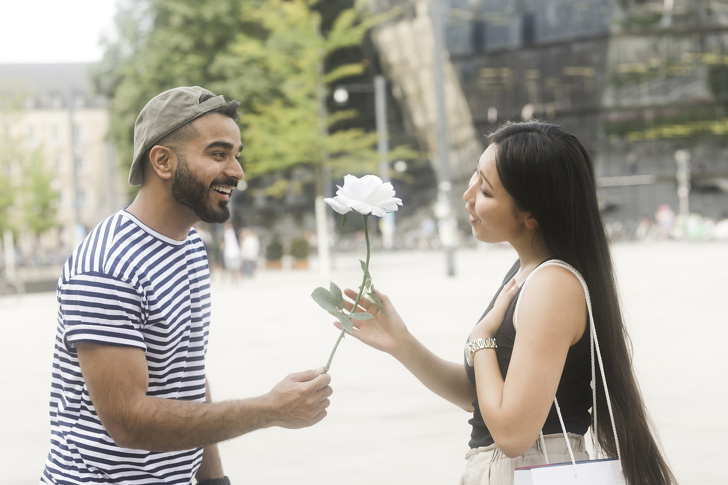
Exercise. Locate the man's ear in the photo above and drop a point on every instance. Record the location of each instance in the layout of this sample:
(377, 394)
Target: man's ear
(163, 161)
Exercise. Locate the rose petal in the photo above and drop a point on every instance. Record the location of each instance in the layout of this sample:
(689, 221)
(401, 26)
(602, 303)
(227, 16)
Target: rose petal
(336, 204)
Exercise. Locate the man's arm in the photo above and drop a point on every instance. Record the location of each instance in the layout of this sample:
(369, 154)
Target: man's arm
(117, 380)
(211, 466)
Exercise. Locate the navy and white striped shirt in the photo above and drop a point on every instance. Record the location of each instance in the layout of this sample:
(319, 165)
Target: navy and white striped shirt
(131, 286)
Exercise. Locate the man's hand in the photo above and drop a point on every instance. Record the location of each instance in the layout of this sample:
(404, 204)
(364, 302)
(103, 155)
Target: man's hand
(300, 400)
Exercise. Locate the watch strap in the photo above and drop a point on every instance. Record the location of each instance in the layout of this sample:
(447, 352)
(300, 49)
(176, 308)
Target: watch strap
(478, 344)
(215, 481)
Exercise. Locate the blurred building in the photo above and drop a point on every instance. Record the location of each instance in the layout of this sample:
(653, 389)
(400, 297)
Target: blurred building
(643, 84)
(50, 110)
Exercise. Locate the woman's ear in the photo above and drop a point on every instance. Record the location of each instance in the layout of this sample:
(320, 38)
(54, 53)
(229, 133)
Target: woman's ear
(529, 221)
(162, 160)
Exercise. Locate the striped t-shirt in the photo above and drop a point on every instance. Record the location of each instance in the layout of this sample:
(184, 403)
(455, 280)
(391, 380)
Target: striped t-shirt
(131, 286)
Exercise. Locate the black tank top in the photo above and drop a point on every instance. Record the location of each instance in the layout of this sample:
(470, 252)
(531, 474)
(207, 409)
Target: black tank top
(574, 391)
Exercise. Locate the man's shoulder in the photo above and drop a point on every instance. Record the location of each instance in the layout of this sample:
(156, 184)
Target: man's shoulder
(108, 240)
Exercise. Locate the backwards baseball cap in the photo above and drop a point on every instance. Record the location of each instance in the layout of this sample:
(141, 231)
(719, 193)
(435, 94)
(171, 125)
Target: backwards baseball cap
(165, 113)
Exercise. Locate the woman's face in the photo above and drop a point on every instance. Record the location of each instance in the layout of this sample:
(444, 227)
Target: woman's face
(493, 213)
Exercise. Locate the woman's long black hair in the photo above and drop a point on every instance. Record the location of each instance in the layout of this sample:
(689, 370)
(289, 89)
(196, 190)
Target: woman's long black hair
(548, 172)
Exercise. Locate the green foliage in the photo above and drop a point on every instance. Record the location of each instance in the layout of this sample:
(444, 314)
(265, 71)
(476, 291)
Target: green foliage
(300, 248)
(695, 123)
(270, 54)
(718, 80)
(27, 200)
(7, 195)
(162, 44)
(641, 20)
(291, 129)
(38, 199)
(274, 250)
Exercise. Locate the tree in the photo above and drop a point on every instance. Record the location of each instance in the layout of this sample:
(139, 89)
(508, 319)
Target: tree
(270, 54)
(293, 128)
(28, 203)
(162, 44)
(7, 197)
(37, 197)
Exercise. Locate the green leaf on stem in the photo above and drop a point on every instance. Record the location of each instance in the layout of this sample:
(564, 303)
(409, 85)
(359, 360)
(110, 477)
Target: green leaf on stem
(361, 316)
(338, 296)
(367, 283)
(346, 322)
(373, 296)
(325, 299)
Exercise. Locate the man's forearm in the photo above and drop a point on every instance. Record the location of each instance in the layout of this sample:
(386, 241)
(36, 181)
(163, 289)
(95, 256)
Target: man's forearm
(166, 424)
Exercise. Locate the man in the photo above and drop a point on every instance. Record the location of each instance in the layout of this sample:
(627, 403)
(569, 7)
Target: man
(130, 401)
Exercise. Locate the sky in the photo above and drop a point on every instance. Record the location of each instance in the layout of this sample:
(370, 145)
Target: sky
(42, 31)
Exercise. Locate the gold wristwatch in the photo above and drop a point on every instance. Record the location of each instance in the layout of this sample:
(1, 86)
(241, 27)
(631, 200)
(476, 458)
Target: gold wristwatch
(478, 344)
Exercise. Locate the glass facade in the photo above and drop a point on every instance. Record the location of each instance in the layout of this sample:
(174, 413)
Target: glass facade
(638, 81)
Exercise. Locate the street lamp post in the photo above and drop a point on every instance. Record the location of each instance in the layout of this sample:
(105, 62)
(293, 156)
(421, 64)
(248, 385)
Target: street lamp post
(341, 96)
(443, 208)
(79, 232)
(682, 157)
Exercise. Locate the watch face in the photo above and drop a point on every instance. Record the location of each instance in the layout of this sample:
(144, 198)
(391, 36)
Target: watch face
(469, 354)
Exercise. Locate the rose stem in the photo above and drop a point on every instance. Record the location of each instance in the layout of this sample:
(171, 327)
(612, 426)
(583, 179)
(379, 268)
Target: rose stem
(361, 291)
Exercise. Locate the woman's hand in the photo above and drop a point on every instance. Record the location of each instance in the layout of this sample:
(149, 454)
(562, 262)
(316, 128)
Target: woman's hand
(491, 322)
(386, 331)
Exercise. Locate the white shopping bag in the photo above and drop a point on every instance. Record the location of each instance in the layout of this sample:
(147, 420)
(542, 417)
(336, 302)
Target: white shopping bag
(592, 472)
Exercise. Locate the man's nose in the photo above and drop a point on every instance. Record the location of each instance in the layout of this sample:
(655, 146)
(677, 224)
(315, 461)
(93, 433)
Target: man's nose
(235, 170)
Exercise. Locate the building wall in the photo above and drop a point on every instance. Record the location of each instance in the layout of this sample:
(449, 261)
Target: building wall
(68, 126)
(635, 81)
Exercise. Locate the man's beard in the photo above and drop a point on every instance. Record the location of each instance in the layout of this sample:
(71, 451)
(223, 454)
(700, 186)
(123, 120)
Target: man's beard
(191, 192)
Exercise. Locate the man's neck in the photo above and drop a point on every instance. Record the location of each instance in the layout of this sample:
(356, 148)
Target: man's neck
(165, 216)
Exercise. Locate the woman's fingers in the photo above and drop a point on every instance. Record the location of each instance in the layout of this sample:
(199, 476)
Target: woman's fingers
(364, 303)
(508, 292)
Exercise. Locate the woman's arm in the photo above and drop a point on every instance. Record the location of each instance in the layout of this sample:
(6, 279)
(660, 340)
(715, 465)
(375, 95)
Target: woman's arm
(552, 317)
(388, 333)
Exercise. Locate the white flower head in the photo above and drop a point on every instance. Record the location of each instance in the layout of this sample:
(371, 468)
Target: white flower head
(365, 195)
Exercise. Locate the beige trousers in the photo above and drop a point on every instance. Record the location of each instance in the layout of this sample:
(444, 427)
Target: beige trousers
(489, 466)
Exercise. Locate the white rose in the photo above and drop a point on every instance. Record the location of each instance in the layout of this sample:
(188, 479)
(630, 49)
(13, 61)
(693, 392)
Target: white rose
(366, 195)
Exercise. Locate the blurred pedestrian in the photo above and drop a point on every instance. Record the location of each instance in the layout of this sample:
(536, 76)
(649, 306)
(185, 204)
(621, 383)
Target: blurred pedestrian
(534, 188)
(231, 253)
(665, 220)
(249, 251)
(130, 401)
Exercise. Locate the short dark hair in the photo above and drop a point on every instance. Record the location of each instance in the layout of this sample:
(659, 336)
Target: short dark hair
(229, 109)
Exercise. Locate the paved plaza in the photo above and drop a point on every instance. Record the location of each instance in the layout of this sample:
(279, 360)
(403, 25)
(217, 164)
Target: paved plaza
(383, 426)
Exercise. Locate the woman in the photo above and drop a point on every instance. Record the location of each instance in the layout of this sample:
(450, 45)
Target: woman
(534, 188)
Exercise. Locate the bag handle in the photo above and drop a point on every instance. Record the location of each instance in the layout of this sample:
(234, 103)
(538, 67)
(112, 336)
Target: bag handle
(594, 348)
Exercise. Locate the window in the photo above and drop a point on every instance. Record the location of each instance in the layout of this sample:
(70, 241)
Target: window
(55, 134)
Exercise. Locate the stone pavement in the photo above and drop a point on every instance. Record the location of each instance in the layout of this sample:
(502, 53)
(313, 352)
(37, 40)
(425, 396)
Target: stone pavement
(383, 426)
